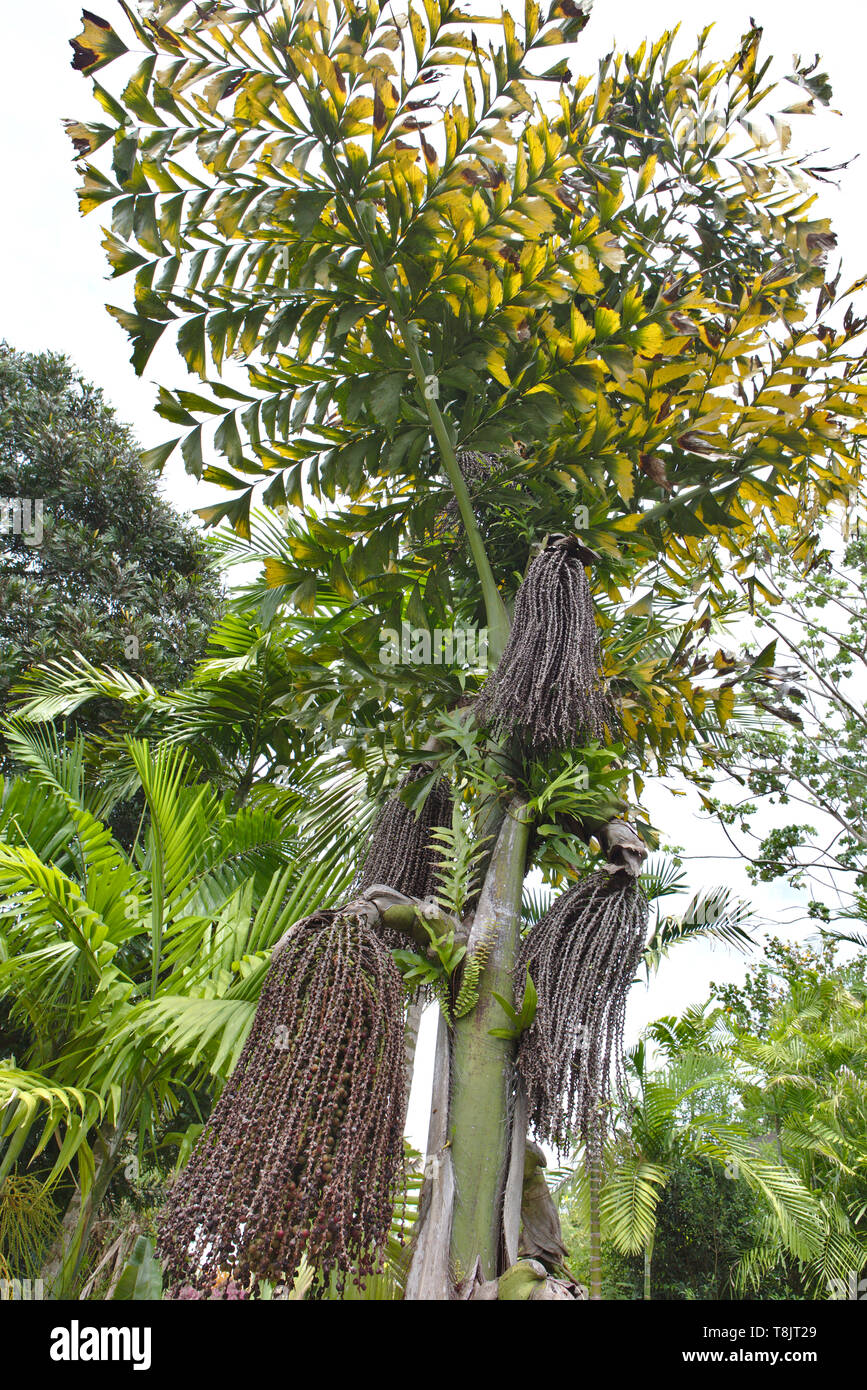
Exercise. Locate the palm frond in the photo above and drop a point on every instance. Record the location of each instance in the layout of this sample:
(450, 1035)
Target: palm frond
(628, 1203)
(60, 767)
(58, 688)
(28, 1098)
(537, 900)
(714, 915)
(662, 876)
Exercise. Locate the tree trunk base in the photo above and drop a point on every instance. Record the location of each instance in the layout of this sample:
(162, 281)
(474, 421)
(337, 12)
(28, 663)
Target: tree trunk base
(528, 1281)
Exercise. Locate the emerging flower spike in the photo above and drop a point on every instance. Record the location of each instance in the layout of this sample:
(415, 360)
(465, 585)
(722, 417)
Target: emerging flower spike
(582, 957)
(402, 853)
(547, 691)
(478, 470)
(495, 493)
(302, 1151)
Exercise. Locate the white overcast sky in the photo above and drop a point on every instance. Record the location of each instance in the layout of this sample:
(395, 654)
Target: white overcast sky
(53, 286)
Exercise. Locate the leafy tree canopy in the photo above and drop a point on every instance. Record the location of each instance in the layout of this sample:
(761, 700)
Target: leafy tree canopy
(114, 572)
(423, 241)
(807, 758)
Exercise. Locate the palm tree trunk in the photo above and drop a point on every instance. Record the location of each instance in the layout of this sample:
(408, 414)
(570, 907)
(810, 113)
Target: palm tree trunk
(595, 1185)
(428, 1279)
(483, 1065)
(68, 1253)
(411, 1026)
(648, 1260)
(53, 1261)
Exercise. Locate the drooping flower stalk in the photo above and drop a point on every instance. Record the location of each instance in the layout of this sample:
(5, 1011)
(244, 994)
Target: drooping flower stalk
(403, 853)
(582, 957)
(477, 468)
(547, 690)
(302, 1151)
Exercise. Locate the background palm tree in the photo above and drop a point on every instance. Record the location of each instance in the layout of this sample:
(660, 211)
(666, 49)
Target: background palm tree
(130, 978)
(685, 1111)
(801, 1083)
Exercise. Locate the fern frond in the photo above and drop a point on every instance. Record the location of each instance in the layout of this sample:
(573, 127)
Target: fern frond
(474, 964)
(460, 859)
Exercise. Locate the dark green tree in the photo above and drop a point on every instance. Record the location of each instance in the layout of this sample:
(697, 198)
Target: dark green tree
(704, 1224)
(92, 559)
(799, 1028)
